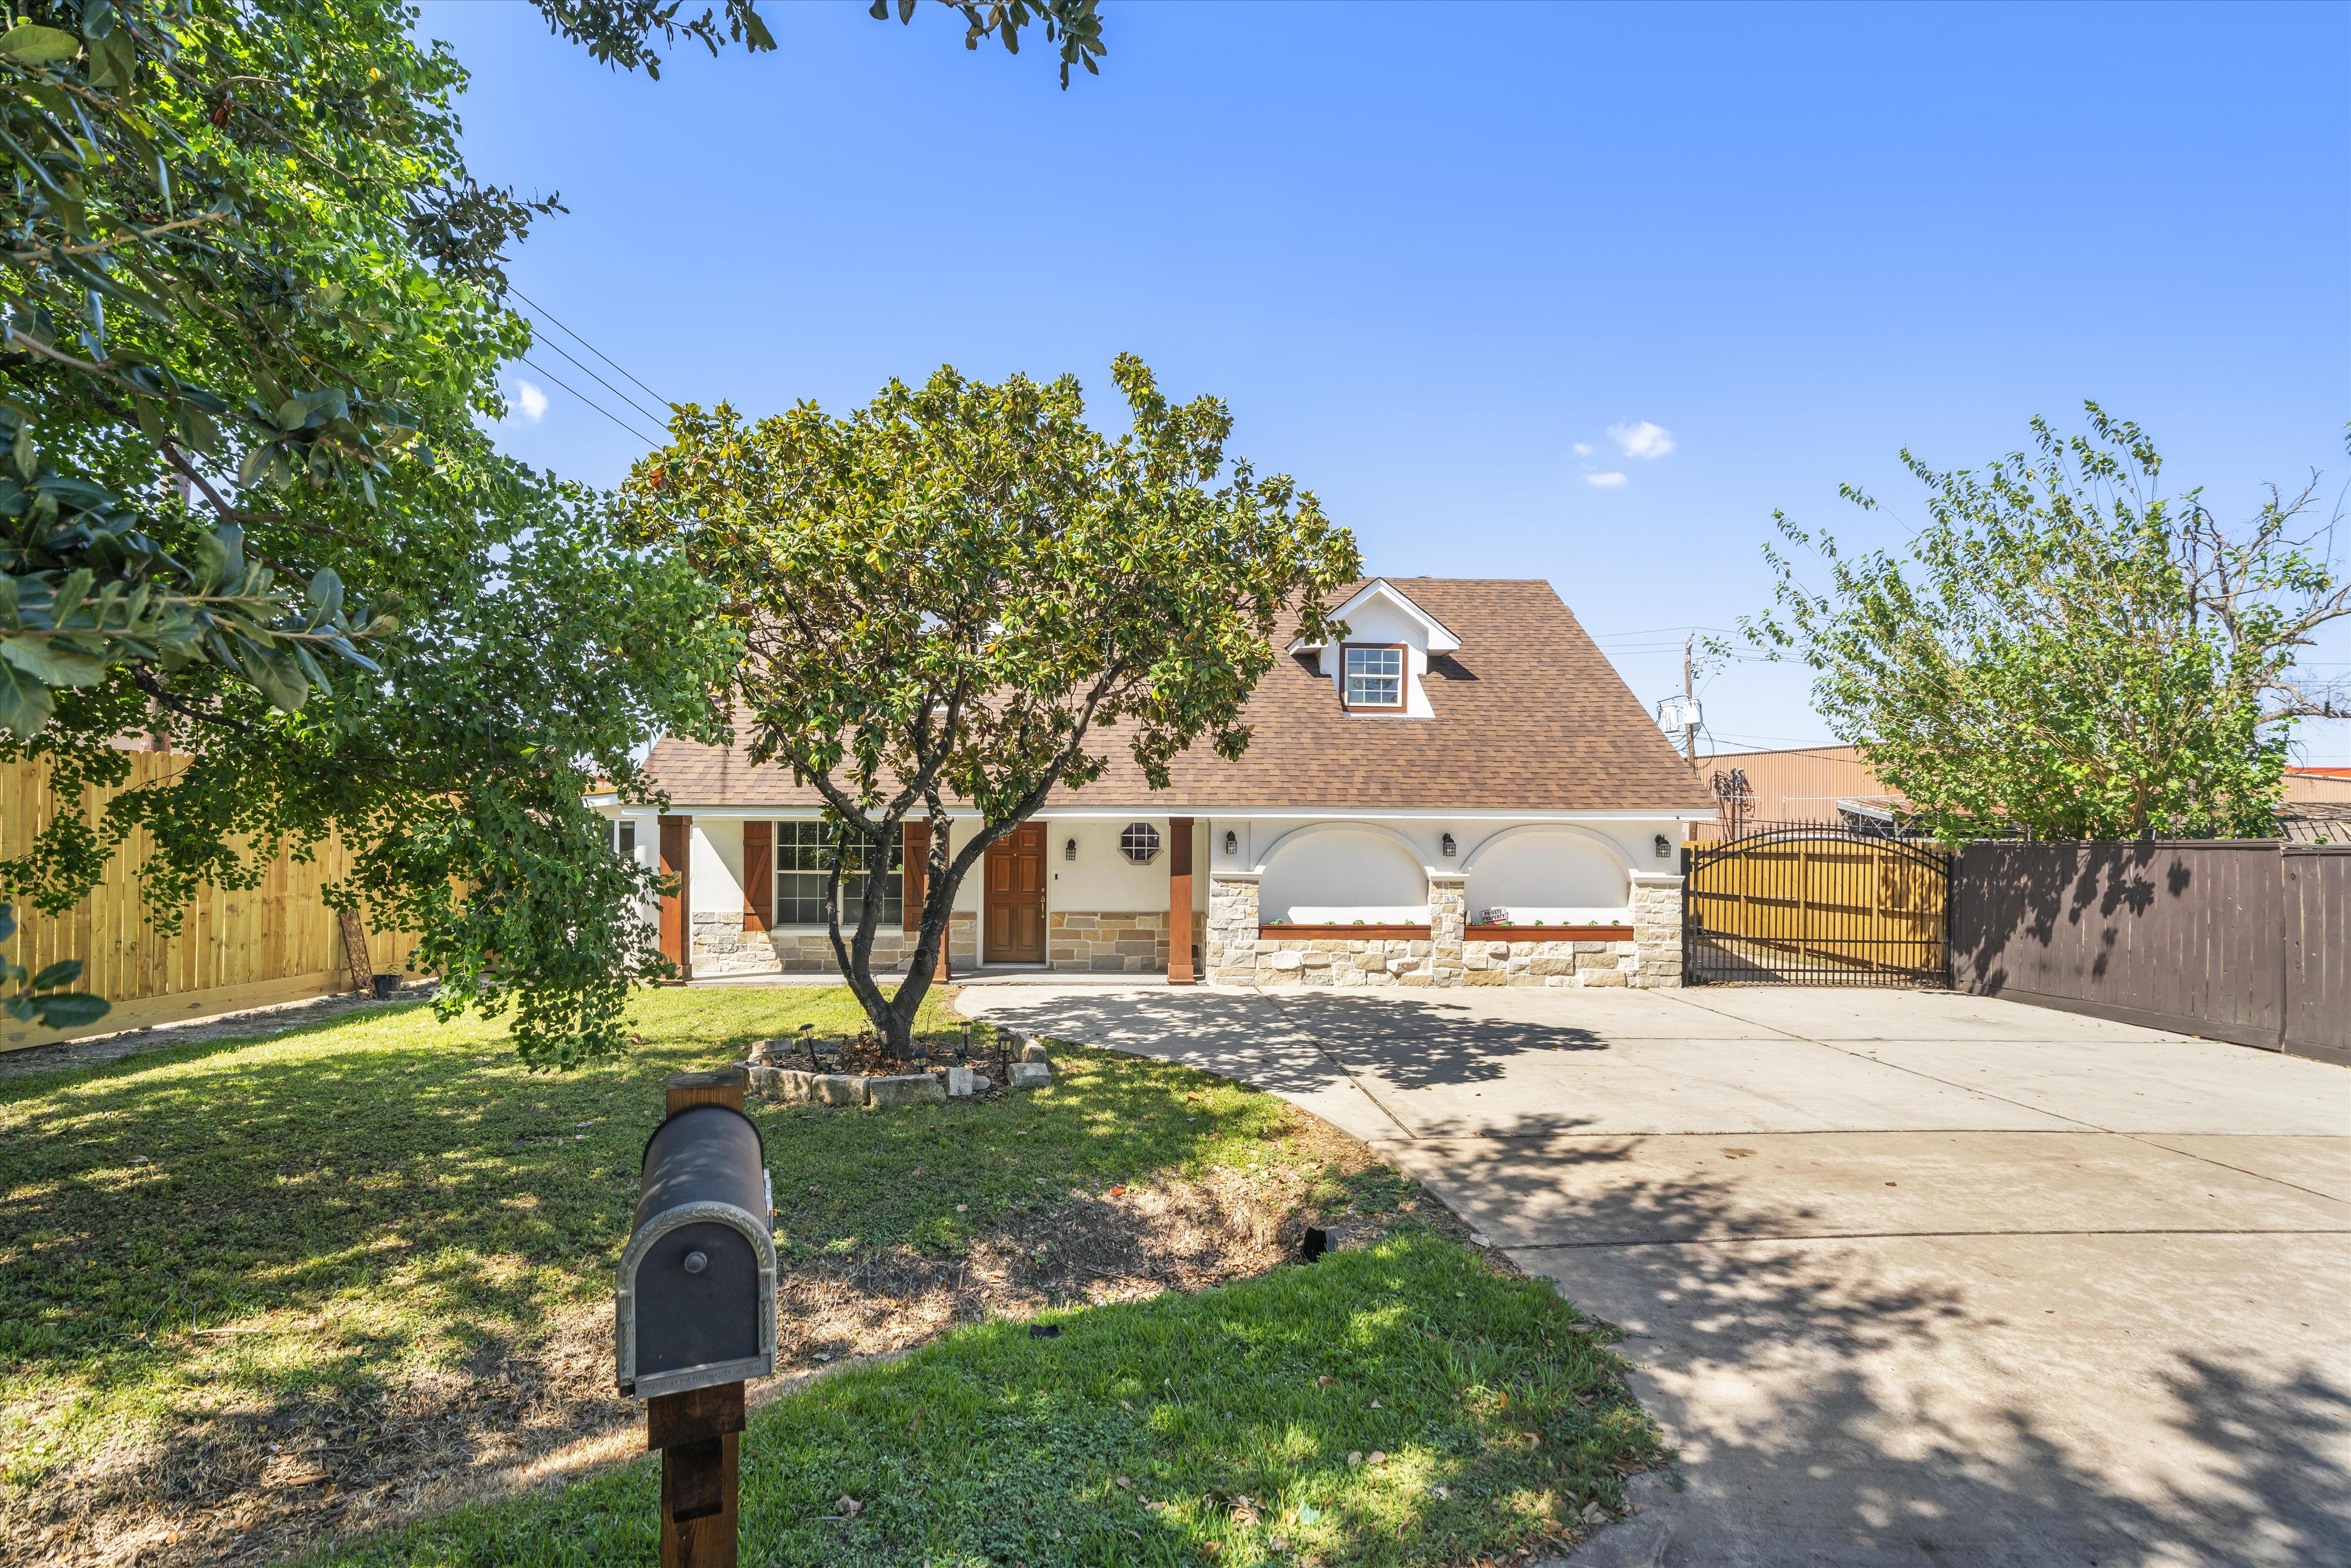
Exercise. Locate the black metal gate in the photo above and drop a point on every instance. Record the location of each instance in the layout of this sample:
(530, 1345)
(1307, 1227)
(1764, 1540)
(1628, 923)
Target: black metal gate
(1817, 906)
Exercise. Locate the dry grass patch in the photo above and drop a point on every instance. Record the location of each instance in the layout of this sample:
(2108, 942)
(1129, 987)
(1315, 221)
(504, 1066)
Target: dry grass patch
(256, 1294)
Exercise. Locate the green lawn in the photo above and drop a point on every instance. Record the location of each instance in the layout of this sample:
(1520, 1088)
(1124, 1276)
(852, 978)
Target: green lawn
(1400, 1404)
(270, 1289)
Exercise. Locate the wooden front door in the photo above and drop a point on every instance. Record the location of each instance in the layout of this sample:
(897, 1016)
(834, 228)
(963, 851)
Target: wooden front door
(1016, 897)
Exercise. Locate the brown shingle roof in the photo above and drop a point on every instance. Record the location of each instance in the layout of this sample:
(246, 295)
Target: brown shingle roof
(1529, 717)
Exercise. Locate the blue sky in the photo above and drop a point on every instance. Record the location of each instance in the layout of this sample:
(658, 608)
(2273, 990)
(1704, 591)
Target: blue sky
(1430, 254)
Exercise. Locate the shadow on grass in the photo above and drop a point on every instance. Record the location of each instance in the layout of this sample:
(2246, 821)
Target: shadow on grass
(379, 1205)
(1393, 1405)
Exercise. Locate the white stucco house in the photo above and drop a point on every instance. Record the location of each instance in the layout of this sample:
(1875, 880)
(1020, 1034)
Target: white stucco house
(1460, 793)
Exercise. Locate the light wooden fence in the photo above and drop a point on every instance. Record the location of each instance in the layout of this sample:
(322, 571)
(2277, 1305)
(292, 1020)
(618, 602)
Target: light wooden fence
(1815, 906)
(273, 943)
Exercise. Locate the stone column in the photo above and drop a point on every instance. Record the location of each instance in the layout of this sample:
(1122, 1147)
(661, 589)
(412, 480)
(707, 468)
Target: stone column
(1449, 918)
(1232, 930)
(1656, 962)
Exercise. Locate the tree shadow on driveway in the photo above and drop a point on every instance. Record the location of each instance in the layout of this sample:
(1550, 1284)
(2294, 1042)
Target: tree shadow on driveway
(1945, 1398)
(1960, 1401)
(1295, 1041)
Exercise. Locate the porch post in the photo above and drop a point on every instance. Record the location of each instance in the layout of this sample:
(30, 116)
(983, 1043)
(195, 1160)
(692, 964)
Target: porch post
(1180, 968)
(677, 908)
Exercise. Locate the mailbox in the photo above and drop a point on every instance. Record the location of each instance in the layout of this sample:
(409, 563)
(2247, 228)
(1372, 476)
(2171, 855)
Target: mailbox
(697, 1302)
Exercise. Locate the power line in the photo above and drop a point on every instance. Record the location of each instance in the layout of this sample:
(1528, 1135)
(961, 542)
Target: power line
(592, 402)
(1795, 741)
(1653, 631)
(1659, 650)
(616, 392)
(592, 347)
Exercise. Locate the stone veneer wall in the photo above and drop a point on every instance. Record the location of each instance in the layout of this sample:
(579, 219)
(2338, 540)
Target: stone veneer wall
(1133, 942)
(1237, 955)
(1657, 931)
(721, 946)
(1449, 918)
(1231, 947)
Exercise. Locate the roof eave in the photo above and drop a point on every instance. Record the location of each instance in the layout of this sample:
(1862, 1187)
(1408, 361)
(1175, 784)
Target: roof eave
(1441, 639)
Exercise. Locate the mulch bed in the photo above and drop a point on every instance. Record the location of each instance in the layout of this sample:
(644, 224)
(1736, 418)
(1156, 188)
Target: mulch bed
(863, 1054)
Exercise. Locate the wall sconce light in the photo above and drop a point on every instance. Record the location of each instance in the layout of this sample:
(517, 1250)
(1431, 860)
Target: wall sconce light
(1232, 843)
(1445, 844)
(1069, 850)
(1664, 848)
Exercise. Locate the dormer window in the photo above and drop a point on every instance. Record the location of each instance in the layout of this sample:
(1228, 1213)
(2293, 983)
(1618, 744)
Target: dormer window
(1375, 677)
(1378, 664)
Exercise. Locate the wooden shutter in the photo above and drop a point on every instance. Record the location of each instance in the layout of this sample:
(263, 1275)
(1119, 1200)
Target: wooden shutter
(758, 876)
(916, 837)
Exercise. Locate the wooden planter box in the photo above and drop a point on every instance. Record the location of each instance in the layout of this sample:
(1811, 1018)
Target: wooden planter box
(1342, 932)
(1548, 934)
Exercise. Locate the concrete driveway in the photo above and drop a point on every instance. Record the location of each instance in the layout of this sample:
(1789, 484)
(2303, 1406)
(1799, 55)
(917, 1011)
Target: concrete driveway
(1911, 1277)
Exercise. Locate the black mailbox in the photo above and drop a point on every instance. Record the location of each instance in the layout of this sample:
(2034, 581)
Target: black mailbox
(697, 1303)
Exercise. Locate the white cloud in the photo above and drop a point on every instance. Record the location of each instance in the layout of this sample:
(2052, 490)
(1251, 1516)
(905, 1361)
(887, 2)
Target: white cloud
(1606, 481)
(1642, 440)
(533, 400)
(1583, 449)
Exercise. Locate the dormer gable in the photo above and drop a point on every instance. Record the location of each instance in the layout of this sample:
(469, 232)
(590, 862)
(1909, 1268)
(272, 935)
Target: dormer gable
(1379, 668)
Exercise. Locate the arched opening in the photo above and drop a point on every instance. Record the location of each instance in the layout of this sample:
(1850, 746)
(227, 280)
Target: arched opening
(1552, 878)
(1338, 877)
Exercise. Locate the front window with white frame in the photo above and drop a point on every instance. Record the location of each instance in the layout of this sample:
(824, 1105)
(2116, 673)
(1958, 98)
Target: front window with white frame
(1374, 677)
(803, 861)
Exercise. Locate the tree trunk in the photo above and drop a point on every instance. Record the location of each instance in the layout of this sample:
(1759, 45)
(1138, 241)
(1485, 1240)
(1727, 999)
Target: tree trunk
(893, 1016)
(941, 880)
(856, 956)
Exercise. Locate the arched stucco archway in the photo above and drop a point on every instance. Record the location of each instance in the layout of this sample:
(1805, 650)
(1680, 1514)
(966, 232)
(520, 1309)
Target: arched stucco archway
(1554, 875)
(1337, 873)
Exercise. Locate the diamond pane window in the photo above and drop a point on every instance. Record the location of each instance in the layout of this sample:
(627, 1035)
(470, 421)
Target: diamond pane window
(1375, 677)
(1139, 842)
(803, 855)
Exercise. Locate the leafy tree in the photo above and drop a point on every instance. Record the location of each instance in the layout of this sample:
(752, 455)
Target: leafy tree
(1070, 23)
(620, 32)
(253, 309)
(2065, 649)
(253, 317)
(964, 593)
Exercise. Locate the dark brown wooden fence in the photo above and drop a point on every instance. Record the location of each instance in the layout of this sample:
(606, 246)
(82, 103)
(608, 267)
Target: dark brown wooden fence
(2318, 951)
(2238, 940)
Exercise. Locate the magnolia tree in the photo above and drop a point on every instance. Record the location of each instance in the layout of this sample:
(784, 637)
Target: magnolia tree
(2065, 649)
(964, 594)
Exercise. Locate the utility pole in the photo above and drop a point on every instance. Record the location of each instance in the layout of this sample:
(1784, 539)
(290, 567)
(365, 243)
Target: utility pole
(1689, 705)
